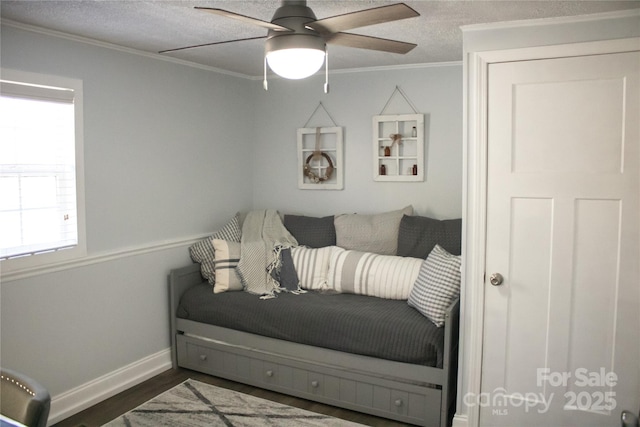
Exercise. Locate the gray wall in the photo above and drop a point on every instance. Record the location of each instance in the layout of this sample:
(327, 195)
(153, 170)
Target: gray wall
(171, 152)
(354, 98)
(161, 142)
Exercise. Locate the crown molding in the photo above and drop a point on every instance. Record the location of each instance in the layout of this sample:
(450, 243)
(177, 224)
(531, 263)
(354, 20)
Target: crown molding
(112, 46)
(124, 49)
(400, 67)
(627, 13)
(382, 68)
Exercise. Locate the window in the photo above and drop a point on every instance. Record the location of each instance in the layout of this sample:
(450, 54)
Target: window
(41, 179)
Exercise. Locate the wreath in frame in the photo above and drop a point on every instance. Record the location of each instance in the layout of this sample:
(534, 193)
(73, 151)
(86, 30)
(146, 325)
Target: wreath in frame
(328, 171)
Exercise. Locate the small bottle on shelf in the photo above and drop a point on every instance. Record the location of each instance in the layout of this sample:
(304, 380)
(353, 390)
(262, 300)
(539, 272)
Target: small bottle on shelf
(414, 170)
(383, 170)
(414, 132)
(387, 151)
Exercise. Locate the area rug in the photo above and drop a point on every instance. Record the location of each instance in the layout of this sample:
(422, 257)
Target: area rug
(195, 404)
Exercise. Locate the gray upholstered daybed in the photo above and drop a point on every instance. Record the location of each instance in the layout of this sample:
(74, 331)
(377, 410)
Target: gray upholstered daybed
(361, 352)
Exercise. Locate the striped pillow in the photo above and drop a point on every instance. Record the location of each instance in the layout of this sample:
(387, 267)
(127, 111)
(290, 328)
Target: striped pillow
(437, 286)
(203, 252)
(366, 273)
(312, 266)
(227, 257)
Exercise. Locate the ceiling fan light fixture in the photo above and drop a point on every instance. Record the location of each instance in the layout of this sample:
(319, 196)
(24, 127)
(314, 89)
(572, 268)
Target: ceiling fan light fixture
(295, 56)
(296, 63)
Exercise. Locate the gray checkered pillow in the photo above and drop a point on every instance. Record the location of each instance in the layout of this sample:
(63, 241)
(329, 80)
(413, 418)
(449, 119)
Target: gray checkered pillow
(437, 285)
(203, 252)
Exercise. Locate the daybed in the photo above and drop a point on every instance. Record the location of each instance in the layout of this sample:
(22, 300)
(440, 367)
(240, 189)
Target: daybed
(352, 348)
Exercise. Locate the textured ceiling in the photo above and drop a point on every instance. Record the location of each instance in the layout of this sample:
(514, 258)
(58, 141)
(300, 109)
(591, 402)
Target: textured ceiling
(156, 25)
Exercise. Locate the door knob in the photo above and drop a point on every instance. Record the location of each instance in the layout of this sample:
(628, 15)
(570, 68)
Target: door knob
(629, 420)
(496, 279)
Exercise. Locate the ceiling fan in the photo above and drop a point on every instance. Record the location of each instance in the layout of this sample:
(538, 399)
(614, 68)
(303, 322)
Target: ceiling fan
(296, 42)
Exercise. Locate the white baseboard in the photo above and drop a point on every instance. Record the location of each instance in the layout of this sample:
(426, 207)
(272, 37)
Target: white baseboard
(86, 395)
(460, 420)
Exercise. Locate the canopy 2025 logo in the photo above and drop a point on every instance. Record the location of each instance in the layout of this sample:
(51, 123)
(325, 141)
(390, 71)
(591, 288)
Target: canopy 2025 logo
(590, 396)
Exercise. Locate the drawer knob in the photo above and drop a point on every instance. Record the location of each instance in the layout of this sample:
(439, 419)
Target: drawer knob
(203, 357)
(269, 373)
(398, 402)
(315, 384)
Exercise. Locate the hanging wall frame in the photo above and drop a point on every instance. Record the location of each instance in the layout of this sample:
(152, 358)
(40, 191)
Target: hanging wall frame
(320, 158)
(398, 145)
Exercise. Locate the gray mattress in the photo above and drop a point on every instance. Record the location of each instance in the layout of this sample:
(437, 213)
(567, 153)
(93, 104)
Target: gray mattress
(387, 329)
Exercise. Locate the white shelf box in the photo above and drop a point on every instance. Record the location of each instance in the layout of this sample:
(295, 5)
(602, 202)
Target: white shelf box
(405, 159)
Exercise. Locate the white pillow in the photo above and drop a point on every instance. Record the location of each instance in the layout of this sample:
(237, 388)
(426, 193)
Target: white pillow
(312, 266)
(227, 257)
(366, 273)
(370, 233)
(203, 251)
(437, 286)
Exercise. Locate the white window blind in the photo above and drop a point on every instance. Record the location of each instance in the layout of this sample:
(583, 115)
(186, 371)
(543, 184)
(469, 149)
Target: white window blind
(38, 191)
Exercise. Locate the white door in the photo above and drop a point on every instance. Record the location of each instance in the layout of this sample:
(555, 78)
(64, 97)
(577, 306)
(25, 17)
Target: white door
(561, 342)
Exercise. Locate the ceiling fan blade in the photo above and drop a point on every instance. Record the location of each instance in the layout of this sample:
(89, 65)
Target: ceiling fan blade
(243, 18)
(211, 44)
(363, 18)
(368, 42)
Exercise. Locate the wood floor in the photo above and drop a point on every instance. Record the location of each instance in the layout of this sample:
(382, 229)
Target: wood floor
(119, 404)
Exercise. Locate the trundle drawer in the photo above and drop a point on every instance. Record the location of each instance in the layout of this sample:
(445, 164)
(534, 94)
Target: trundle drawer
(365, 393)
(404, 402)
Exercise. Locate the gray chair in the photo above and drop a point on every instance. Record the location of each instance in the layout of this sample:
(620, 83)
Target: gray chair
(23, 399)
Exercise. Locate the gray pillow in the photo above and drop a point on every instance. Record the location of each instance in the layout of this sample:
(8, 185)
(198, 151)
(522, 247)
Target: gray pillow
(370, 233)
(311, 231)
(418, 235)
(288, 276)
